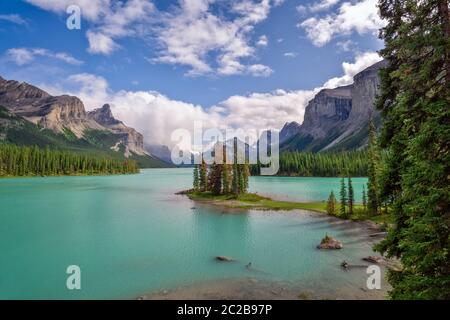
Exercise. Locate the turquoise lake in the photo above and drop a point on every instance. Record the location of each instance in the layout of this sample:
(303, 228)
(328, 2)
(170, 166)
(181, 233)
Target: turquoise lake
(132, 235)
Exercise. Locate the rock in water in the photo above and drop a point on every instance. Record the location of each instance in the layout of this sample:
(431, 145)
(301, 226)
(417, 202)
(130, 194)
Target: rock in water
(224, 259)
(330, 243)
(375, 259)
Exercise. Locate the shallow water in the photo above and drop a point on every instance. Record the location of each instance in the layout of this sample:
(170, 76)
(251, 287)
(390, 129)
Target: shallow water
(131, 235)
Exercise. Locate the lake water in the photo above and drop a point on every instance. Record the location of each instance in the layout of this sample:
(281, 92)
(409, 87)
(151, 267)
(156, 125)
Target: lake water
(132, 235)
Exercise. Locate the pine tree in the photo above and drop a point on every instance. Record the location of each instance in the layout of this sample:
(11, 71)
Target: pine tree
(215, 179)
(343, 198)
(331, 204)
(351, 197)
(372, 170)
(196, 182)
(364, 198)
(414, 103)
(226, 174)
(203, 176)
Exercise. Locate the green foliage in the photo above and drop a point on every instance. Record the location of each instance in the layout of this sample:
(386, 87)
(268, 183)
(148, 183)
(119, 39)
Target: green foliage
(415, 178)
(364, 198)
(203, 176)
(327, 164)
(343, 200)
(351, 197)
(332, 204)
(33, 161)
(373, 169)
(222, 178)
(196, 183)
(16, 130)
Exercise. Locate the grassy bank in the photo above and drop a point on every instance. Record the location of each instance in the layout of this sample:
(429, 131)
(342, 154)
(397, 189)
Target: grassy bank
(257, 202)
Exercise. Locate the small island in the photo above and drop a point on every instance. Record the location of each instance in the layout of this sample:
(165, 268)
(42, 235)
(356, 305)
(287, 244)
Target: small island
(226, 185)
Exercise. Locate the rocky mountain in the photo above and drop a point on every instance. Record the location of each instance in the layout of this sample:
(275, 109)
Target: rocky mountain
(30, 115)
(336, 119)
(289, 130)
(160, 151)
(129, 137)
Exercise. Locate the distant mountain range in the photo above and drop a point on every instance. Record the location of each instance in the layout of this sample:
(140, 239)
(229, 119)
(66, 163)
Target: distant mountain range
(31, 116)
(336, 119)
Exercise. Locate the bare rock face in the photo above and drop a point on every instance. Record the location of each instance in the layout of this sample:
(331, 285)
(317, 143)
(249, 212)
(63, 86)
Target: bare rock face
(61, 113)
(327, 110)
(365, 90)
(289, 130)
(336, 119)
(55, 113)
(129, 137)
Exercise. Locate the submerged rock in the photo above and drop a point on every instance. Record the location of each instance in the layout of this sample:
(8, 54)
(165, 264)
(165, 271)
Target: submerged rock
(224, 259)
(330, 243)
(375, 259)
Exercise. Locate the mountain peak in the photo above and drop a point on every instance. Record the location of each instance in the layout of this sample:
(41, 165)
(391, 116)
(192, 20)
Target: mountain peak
(104, 116)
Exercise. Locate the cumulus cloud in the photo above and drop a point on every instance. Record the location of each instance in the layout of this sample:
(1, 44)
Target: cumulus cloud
(361, 17)
(100, 43)
(157, 116)
(91, 9)
(362, 61)
(192, 32)
(262, 41)
(322, 5)
(22, 56)
(109, 20)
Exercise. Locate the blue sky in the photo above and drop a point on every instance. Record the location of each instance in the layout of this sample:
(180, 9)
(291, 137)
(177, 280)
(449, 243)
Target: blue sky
(220, 58)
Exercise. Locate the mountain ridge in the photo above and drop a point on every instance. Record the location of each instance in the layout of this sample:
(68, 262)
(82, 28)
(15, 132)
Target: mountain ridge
(336, 119)
(62, 121)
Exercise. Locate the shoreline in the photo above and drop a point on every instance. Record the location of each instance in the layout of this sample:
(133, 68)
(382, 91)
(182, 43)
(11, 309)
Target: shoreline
(253, 201)
(255, 288)
(250, 288)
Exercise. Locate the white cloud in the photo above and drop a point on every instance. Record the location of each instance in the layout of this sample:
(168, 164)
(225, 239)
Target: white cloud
(109, 20)
(290, 54)
(13, 18)
(156, 116)
(260, 70)
(100, 43)
(91, 9)
(322, 5)
(22, 56)
(361, 17)
(346, 45)
(362, 61)
(192, 32)
(263, 41)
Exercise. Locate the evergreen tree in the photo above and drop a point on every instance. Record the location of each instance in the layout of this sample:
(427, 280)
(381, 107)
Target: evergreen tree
(215, 179)
(323, 164)
(196, 182)
(351, 197)
(414, 103)
(226, 173)
(331, 204)
(32, 161)
(203, 176)
(364, 198)
(372, 169)
(343, 198)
